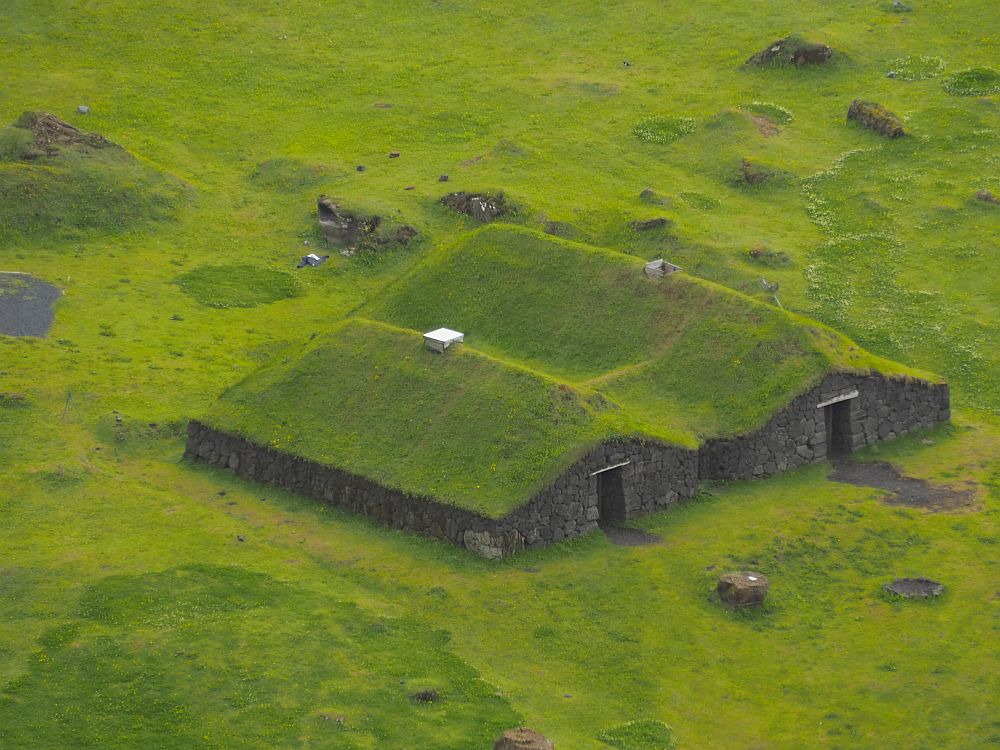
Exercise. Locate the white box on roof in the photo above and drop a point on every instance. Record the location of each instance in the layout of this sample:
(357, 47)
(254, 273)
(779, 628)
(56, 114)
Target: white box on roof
(660, 267)
(441, 338)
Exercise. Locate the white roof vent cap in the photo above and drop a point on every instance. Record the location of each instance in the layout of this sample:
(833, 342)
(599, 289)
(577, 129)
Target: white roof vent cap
(441, 338)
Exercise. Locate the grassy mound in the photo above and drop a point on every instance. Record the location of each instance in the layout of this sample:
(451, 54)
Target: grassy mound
(973, 82)
(464, 428)
(917, 67)
(640, 735)
(286, 175)
(77, 183)
(90, 684)
(237, 285)
(773, 112)
(663, 129)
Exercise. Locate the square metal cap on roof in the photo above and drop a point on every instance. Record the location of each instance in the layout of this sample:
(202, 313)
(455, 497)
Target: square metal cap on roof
(660, 267)
(441, 338)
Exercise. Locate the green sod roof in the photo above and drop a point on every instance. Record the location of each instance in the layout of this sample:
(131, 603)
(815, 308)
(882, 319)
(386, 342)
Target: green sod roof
(565, 346)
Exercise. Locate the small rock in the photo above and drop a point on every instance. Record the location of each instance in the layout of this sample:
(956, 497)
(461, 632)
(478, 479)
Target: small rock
(409, 187)
(754, 174)
(523, 738)
(657, 223)
(405, 233)
(743, 589)
(240, 538)
(915, 588)
(222, 493)
(361, 168)
(83, 109)
(648, 195)
(987, 197)
(875, 117)
(891, 74)
(558, 228)
(443, 178)
(426, 696)
(393, 154)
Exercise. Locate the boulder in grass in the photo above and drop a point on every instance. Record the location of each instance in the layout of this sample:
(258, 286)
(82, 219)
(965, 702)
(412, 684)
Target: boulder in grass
(875, 117)
(523, 738)
(341, 227)
(743, 589)
(987, 197)
(480, 206)
(660, 222)
(791, 51)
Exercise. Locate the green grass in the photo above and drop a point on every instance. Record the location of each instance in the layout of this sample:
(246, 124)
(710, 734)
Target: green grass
(889, 246)
(462, 428)
(286, 175)
(138, 666)
(663, 129)
(973, 82)
(773, 112)
(237, 285)
(77, 191)
(917, 67)
(640, 735)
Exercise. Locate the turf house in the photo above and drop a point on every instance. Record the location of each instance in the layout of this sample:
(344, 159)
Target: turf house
(574, 389)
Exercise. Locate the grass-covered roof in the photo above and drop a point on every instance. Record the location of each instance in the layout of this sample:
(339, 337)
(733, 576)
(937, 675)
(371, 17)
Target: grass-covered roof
(565, 345)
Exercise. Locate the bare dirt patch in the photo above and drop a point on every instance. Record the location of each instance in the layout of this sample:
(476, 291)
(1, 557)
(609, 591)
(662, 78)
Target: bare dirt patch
(916, 493)
(764, 126)
(625, 536)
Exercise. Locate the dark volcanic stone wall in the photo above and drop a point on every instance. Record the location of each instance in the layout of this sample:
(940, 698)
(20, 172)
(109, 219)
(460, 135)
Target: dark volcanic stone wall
(657, 476)
(653, 475)
(884, 408)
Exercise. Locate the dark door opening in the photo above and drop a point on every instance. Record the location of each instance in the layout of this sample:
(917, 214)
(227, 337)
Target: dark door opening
(611, 496)
(838, 428)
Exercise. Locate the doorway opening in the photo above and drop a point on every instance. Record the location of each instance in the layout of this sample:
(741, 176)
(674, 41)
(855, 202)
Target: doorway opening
(611, 496)
(838, 428)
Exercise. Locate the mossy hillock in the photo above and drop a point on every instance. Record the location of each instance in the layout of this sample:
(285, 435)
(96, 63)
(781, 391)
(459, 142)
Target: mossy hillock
(57, 180)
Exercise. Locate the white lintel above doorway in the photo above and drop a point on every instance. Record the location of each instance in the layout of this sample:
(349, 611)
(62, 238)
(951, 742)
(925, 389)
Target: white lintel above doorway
(838, 399)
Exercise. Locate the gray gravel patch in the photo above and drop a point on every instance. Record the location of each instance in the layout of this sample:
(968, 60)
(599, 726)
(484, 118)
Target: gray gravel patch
(917, 493)
(626, 536)
(25, 305)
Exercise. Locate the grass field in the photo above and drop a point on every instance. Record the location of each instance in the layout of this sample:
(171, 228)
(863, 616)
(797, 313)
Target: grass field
(130, 612)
